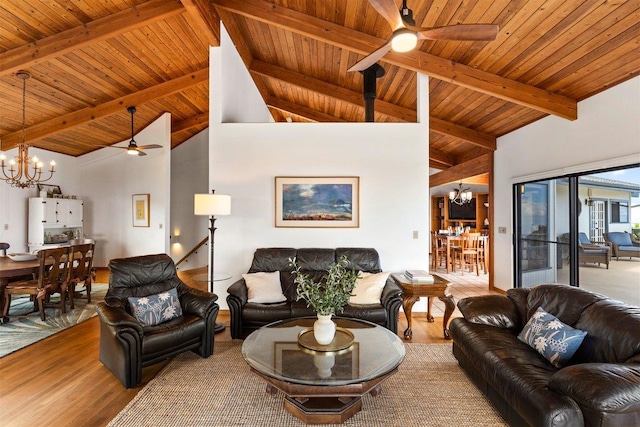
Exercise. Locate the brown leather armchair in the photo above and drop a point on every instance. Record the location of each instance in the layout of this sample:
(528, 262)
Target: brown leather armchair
(126, 345)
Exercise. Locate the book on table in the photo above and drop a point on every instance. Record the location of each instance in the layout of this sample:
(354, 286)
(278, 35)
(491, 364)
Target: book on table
(418, 276)
(414, 274)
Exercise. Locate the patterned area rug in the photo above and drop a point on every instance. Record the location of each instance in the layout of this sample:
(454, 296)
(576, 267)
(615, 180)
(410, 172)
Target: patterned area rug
(22, 331)
(428, 389)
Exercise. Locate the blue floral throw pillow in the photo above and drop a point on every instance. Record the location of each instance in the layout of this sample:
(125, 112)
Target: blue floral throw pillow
(155, 309)
(556, 341)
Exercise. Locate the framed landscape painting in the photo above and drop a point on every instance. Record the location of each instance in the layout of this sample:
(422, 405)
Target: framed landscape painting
(317, 201)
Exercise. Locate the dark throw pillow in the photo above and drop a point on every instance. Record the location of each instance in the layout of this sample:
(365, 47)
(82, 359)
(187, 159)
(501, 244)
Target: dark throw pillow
(155, 309)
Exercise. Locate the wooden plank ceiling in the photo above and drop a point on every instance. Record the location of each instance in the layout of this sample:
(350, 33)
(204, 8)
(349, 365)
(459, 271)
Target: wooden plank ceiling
(90, 59)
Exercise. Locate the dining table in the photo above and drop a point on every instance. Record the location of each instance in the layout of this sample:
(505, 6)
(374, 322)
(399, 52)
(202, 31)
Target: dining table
(10, 269)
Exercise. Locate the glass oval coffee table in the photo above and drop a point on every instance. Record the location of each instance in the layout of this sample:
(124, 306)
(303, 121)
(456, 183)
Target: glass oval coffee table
(323, 387)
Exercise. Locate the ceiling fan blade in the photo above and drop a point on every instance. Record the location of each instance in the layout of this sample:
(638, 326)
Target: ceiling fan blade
(141, 153)
(462, 32)
(371, 59)
(113, 146)
(389, 11)
(147, 147)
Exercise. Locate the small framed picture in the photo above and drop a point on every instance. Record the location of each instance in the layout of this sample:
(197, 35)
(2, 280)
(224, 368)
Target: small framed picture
(140, 208)
(52, 190)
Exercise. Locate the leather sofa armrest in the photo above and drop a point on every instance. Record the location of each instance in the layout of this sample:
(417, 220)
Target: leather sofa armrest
(117, 318)
(390, 292)
(195, 301)
(491, 310)
(603, 387)
(238, 291)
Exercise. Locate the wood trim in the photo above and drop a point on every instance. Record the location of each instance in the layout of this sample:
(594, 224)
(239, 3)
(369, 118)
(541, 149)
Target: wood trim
(434, 66)
(77, 118)
(474, 137)
(191, 122)
(75, 38)
(206, 18)
(301, 111)
(260, 68)
(458, 172)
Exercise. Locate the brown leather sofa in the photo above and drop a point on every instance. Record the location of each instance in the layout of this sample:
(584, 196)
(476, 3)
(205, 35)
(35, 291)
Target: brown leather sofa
(600, 386)
(247, 317)
(126, 346)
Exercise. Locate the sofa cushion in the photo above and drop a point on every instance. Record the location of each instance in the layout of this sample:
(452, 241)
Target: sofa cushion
(556, 341)
(264, 287)
(368, 288)
(155, 309)
(493, 310)
(620, 238)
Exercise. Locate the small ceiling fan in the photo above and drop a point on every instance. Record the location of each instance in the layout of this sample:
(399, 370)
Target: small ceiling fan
(133, 148)
(406, 34)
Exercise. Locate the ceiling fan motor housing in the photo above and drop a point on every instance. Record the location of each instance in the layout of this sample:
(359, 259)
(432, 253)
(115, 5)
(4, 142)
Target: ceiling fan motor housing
(407, 15)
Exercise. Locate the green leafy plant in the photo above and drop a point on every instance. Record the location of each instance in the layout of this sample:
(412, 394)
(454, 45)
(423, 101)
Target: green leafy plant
(331, 294)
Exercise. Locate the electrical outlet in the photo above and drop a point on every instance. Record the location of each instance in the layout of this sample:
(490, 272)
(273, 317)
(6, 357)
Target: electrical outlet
(502, 230)
(415, 234)
(6, 226)
(160, 226)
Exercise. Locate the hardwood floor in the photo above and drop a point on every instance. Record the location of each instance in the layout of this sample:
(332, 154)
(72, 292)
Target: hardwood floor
(59, 381)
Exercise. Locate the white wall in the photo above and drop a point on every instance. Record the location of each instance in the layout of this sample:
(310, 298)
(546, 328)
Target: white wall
(606, 134)
(392, 161)
(189, 175)
(110, 178)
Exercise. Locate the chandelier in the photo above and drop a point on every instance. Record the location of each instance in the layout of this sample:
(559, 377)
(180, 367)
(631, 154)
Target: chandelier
(460, 196)
(18, 168)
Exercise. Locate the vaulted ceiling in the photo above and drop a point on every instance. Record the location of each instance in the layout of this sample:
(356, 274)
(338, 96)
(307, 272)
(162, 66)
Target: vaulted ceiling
(90, 59)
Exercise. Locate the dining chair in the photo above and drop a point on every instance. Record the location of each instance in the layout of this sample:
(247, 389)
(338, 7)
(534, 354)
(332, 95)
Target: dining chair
(466, 253)
(80, 269)
(52, 278)
(483, 247)
(438, 251)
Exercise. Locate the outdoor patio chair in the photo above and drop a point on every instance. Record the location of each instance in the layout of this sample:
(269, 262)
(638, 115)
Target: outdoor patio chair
(622, 245)
(592, 252)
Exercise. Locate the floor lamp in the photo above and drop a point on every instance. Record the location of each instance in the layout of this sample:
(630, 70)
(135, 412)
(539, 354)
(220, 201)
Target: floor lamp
(212, 205)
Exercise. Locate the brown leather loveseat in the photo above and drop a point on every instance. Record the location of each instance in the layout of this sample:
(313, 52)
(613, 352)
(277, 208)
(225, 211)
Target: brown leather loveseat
(598, 386)
(249, 316)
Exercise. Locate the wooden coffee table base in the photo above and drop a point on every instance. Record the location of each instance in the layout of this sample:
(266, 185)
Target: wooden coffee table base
(324, 404)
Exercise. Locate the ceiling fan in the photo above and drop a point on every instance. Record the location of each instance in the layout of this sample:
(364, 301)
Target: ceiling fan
(133, 148)
(406, 34)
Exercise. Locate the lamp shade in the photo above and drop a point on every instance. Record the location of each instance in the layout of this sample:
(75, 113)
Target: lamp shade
(211, 204)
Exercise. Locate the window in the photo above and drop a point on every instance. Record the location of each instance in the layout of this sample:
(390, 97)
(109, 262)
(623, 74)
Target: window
(619, 211)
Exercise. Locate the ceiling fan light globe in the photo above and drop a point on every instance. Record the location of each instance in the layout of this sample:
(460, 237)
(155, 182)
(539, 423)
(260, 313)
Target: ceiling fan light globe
(403, 40)
(132, 152)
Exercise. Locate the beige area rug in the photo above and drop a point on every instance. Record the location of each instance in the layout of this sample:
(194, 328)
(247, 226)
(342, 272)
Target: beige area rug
(429, 389)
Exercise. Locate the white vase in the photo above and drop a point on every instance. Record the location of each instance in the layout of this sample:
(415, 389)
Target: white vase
(324, 329)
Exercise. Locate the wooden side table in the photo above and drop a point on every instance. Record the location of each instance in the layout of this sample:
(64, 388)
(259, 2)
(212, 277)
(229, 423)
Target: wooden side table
(411, 293)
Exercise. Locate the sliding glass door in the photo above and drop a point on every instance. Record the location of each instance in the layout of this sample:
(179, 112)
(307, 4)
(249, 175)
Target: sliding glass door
(562, 225)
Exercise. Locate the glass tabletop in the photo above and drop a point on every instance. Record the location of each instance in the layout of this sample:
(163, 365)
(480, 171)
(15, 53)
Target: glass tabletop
(217, 277)
(273, 350)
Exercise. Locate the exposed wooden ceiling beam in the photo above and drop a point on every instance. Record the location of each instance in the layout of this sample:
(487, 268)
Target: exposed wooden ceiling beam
(191, 122)
(301, 110)
(355, 98)
(75, 38)
(473, 136)
(478, 166)
(80, 117)
(328, 89)
(206, 18)
(440, 68)
(441, 158)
